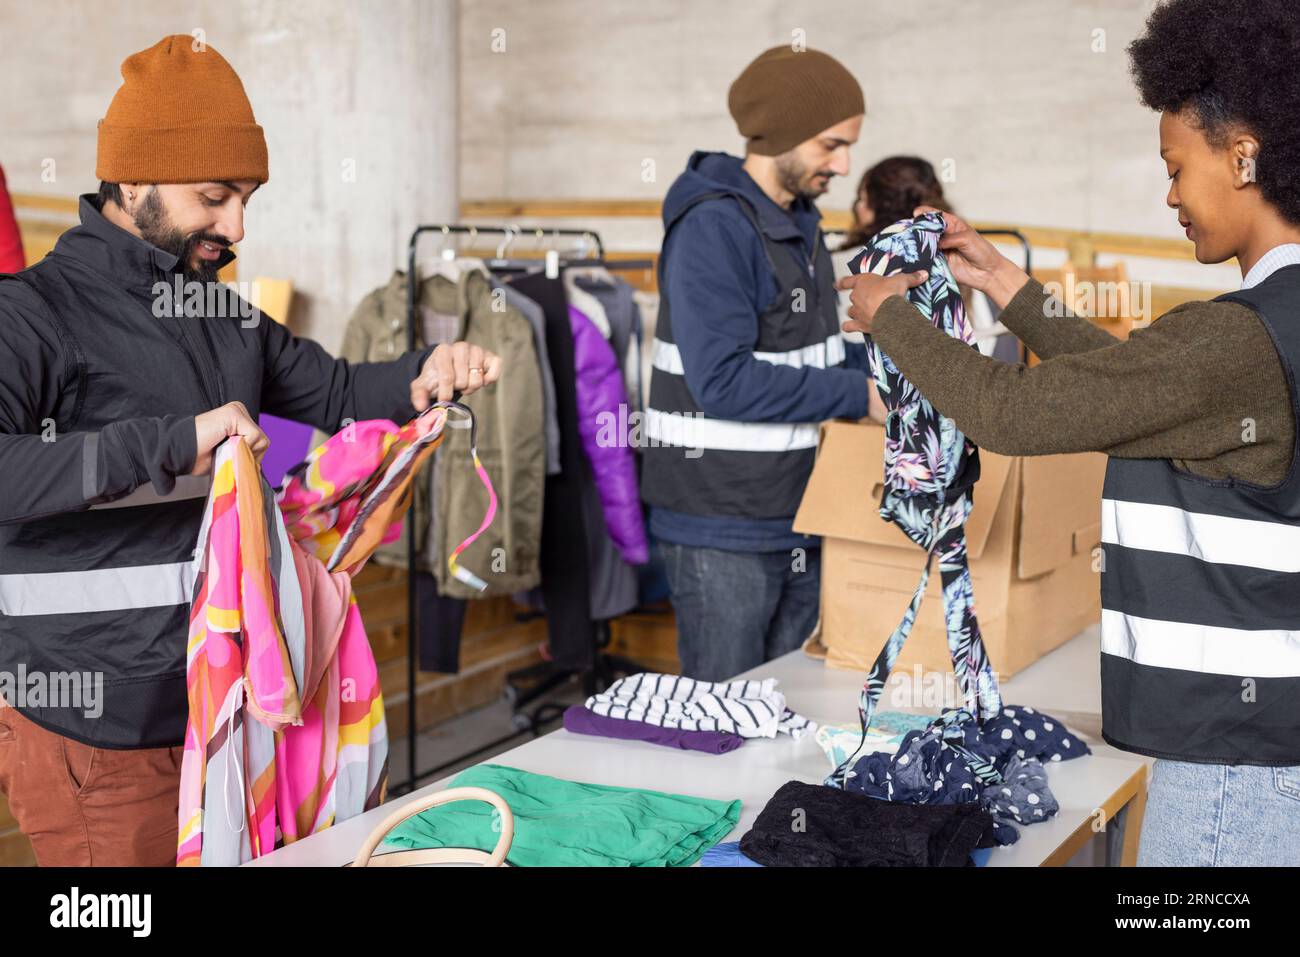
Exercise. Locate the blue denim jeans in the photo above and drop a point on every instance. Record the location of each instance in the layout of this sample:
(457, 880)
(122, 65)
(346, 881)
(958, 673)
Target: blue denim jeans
(1220, 815)
(736, 610)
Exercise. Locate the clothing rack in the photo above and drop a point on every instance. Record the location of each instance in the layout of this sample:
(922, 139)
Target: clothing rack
(552, 262)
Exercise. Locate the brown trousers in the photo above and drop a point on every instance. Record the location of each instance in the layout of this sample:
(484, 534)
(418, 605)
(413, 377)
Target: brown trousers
(82, 806)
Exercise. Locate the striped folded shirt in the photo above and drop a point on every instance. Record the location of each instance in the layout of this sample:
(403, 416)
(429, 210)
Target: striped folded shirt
(751, 709)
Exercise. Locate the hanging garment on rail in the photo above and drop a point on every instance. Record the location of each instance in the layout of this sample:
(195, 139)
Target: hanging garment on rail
(537, 320)
(463, 304)
(603, 426)
(565, 565)
(616, 298)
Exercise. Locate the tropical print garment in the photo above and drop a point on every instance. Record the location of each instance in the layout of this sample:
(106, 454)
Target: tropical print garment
(286, 732)
(930, 469)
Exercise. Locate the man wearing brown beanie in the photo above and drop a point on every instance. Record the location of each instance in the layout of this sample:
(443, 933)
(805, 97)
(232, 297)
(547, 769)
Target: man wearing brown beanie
(114, 392)
(748, 359)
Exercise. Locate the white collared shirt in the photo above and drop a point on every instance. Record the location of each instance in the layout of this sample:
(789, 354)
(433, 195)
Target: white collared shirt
(1287, 254)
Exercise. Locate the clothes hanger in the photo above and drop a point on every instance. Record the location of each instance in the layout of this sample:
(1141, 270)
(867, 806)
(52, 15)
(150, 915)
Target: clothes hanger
(450, 264)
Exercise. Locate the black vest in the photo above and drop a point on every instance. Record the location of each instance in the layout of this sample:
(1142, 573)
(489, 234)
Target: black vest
(1200, 594)
(700, 465)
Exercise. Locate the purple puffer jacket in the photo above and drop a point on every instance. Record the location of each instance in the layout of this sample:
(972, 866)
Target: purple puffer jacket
(601, 396)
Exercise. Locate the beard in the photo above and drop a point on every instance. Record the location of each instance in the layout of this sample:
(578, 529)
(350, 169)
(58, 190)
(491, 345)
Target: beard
(156, 228)
(797, 179)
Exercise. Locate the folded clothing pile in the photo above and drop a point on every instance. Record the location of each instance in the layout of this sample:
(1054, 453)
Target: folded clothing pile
(582, 720)
(751, 709)
(811, 825)
(562, 823)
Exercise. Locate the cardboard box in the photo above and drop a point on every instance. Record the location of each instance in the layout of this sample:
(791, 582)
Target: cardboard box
(1031, 537)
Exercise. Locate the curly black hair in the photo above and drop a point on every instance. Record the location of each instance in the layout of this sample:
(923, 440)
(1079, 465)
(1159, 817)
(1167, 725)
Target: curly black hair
(1231, 64)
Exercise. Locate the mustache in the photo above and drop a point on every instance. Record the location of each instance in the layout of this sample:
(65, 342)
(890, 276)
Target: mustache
(196, 238)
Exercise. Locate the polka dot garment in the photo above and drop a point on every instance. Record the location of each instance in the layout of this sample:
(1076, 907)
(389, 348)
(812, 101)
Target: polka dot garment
(956, 760)
(1023, 796)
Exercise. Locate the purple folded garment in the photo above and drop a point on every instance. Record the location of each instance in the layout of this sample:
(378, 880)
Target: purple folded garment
(582, 720)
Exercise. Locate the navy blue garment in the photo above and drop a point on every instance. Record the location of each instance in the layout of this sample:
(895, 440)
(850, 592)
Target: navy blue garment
(1027, 733)
(1023, 797)
(719, 278)
(956, 761)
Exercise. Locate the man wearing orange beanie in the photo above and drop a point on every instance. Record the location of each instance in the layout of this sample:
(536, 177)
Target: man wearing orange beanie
(113, 396)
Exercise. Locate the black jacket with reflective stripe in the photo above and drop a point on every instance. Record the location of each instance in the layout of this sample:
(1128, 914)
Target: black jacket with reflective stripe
(100, 379)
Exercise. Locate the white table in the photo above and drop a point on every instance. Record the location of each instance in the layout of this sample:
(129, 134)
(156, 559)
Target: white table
(1107, 787)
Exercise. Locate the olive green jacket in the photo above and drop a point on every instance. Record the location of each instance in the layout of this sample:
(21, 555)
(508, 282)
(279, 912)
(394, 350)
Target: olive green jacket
(511, 440)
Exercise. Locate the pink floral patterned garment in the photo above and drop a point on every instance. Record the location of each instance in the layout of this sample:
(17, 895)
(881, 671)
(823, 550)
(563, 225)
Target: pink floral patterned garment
(286, 733)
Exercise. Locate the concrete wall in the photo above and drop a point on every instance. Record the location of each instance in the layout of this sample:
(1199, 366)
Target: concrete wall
(1030, 104)
(1029, 101)
(358, 101)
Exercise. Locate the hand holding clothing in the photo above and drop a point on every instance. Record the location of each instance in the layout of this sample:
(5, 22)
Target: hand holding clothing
(976, 262)
(214, 427)
(454, 367)
(870, 290)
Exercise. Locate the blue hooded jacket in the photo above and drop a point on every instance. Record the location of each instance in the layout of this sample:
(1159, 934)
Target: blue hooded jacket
(718, 281)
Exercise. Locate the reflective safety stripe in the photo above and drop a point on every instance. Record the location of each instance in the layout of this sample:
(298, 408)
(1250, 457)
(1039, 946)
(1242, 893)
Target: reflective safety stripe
(699, 432)
(187, 486)
(666, 357)
(1268, 653)
(99, 589)
(820, 355)
(1209, 538)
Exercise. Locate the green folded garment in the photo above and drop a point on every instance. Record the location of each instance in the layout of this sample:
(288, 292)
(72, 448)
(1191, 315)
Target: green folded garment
(562, 823)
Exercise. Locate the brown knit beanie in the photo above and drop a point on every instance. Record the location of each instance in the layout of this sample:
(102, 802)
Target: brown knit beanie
(785, 97)
(180, 116)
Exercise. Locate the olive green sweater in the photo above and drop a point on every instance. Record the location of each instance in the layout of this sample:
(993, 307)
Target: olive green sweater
(1188, 387)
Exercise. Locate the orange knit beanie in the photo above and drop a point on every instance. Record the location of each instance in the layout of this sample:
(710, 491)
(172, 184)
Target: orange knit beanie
(180, 116)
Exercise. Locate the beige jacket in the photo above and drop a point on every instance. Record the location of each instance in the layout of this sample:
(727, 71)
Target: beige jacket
(511, 441)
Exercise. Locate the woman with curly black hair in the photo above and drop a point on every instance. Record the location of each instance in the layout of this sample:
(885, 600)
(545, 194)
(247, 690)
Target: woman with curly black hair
(1198, 413)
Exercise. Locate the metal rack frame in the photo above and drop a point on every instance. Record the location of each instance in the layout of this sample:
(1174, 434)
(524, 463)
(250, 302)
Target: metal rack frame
(500, 263)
